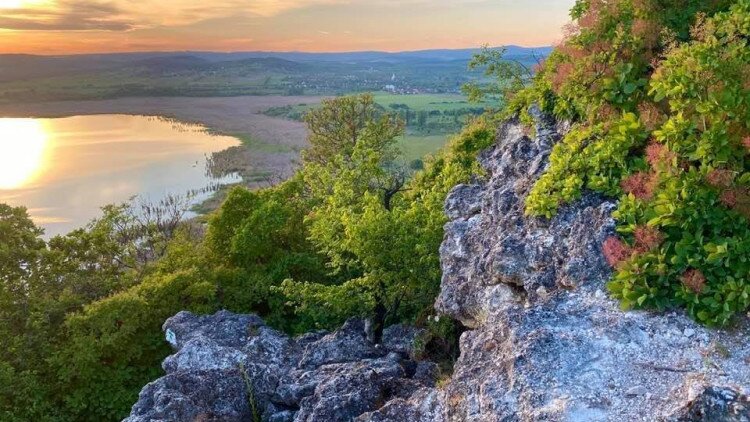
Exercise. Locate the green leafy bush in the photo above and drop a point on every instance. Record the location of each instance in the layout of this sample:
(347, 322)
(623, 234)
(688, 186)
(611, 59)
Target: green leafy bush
(378, 227)
(659, 98)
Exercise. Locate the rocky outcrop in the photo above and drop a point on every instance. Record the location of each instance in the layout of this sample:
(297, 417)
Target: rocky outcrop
(230, 367)
(545, 342)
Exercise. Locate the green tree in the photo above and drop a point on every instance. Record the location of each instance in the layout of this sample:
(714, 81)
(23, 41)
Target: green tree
(508, 76)
(379, 226)
(341, 123)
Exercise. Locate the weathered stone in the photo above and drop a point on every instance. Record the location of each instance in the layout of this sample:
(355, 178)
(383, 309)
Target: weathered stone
(316, 377)
(403, 339)
(546, 343)
(426, 373)
(714, 404)
(348, 344)
(194, 396)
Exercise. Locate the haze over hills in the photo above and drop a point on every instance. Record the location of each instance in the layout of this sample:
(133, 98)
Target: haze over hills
(30, 78)
(26, 66)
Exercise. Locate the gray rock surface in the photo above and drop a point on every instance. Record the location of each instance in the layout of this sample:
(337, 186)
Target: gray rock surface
(230, 367)
(545, 340)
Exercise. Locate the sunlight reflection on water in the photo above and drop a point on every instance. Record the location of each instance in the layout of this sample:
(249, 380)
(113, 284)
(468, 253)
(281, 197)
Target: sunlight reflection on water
(64, 170)
(23, 143)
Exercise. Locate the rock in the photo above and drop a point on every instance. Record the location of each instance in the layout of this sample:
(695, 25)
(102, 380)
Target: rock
(465, 201)
(546, 343)
(403, 339)
(193, 396)
(545, 340)
(225, 362)
(426, 373)
(636, 391)
(715, 404)
(348, 344)
(345, 391)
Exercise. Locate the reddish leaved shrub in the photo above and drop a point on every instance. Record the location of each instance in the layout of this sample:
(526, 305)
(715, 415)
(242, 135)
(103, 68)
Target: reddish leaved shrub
(616, 251)
(647, 238)
(562, 73)
(694, 280)
(720, 178)
(729, 198)
(650, 115)
(658, 155)
(640, 184)
(648, 31)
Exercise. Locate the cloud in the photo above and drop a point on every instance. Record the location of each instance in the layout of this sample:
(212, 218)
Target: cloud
(67, 15)
(123, 15)
(53, 26)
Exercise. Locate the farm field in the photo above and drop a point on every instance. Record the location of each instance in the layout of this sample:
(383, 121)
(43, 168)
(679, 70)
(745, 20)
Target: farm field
(430, 118)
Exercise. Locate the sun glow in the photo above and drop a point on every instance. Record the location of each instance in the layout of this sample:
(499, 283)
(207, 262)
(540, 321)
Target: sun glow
(22, 146)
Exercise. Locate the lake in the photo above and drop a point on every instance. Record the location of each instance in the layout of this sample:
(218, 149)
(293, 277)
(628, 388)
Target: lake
(63, 170)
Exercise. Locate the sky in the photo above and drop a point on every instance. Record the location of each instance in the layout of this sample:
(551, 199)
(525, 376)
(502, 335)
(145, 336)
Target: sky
(98, 26)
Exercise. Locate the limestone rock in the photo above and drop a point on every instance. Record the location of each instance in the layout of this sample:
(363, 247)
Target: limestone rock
(546, 343)
(230, 367)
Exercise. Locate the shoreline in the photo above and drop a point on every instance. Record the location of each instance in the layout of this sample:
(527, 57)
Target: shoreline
(269, 146)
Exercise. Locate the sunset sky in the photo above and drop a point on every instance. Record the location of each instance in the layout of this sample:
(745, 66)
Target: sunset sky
(85, 26)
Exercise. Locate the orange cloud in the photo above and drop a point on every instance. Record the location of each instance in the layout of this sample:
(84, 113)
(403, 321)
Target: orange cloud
(83, 26)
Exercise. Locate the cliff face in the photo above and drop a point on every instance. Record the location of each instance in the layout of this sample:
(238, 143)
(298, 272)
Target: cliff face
(545, 342)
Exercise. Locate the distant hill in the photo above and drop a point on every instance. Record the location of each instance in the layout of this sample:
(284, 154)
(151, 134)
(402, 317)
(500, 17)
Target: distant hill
(21, 66)
(161, 65)
(28, 78)
(367, 56)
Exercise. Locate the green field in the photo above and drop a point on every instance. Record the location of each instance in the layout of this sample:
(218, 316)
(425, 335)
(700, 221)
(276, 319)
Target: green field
(417, 147)
(430, 118)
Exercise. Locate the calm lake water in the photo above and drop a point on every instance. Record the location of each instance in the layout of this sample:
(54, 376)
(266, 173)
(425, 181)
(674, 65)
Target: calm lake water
(64, 170)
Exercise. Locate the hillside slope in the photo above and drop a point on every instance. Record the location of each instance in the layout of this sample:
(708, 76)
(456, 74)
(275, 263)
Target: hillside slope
(545, 340)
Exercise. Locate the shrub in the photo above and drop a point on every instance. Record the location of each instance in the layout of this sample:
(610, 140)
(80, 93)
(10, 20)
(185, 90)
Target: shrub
(658, 96)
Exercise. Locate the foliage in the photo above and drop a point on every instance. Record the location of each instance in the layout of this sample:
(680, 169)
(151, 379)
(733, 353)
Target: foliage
(354, 233)
(261, 239)
(74, 303)
(509, 76)
(658, 96)
(344, 124)
(379, 231)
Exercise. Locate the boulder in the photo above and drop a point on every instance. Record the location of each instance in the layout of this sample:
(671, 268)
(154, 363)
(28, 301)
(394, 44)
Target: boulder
(545, 340)
(228, 367)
